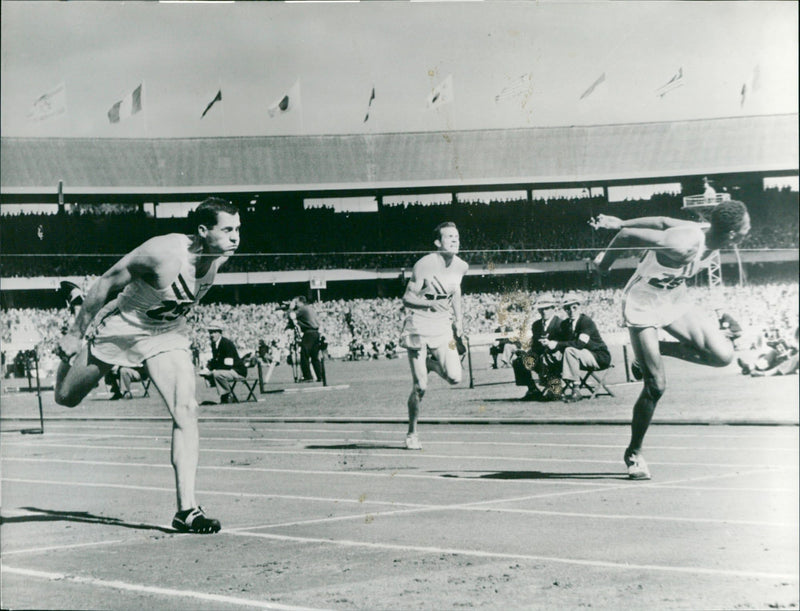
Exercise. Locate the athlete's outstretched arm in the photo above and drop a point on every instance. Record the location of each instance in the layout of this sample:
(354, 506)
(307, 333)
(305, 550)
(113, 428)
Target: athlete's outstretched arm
(677, 243)
(413, 299)
(458, 312)
(138, 262)
(605, 221)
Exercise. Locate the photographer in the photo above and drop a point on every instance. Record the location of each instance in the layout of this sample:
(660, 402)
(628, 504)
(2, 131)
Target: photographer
(304, 319)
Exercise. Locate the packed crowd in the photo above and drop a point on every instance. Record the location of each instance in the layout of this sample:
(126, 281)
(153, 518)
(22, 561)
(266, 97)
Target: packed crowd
(759, 308)
(493, 232)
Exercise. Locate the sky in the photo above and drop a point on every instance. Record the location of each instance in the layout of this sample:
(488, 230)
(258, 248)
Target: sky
(255, 52)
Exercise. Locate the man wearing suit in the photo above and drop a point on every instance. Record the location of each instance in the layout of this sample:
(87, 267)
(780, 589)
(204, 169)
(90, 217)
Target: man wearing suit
(225, 365)
(546, 363)
(581, 343)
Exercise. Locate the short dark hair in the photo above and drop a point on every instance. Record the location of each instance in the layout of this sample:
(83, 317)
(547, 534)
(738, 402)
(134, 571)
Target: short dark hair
(437, 233)
(301, 299)
(207, 212)
(728, 216)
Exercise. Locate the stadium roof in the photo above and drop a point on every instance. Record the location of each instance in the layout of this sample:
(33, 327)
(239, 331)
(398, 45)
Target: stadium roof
(452, 159)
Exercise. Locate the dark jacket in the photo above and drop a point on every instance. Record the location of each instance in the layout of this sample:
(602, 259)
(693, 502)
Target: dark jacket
(585, 336)
(538, 332)
(226, 351)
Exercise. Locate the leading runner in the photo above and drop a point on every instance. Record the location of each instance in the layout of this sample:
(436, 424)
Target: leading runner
(656, 298)
(146, 324)
(433, 291)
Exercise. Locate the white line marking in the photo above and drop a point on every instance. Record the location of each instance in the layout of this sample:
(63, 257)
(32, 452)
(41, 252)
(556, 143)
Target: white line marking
(144, 589)
(346, 441)
(420, 507)
(529, 557)
(506, 430)
(50, 548)
(400, 454)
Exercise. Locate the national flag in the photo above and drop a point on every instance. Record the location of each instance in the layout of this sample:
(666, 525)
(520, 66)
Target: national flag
(601, 79)
(755, 85)
(217, 98)
(369, 104)
(286, 103)
(520, 87)
(442, 94)
(127, 106)
(672, 84)
(50, 104)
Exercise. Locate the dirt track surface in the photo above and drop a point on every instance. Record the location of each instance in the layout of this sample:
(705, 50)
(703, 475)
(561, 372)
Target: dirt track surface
(337, 515)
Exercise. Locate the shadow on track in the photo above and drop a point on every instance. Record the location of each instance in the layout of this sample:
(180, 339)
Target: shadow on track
(357, 446)
(48, 515)
(538, 475)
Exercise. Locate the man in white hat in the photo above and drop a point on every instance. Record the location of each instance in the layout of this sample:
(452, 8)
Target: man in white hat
(539, 358)
(581, 343)
(225, 365)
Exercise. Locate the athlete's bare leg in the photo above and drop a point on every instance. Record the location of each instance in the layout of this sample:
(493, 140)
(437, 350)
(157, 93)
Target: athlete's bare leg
(448, 364)
(701, 340)
(173, 375)
(76, 379)
(644, 341)
(419, 380)
(445, 363)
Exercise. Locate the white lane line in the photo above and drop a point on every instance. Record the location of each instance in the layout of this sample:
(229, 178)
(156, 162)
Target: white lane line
(145, 589)
(485, 506)
(526, 557)
(423, 507)
(400, 454)
(366, 442)
(52, 548)
(493, 430)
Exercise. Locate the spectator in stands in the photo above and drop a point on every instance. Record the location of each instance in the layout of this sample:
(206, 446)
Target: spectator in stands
(709, 192)
(728, 325)
(777, 356)
(225, 365)
(540, 358)
(581, 343)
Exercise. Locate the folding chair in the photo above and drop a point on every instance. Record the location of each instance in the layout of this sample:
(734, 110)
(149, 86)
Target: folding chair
(593, 380)
(250, 384)
(146, 386)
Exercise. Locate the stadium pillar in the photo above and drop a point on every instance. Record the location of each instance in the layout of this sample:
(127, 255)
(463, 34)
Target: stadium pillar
(379, 200)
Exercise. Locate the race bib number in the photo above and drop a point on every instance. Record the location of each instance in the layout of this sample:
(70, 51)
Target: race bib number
(667, 283)
(169, 310)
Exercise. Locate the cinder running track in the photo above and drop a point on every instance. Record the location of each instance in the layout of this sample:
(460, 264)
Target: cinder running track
(336, 515)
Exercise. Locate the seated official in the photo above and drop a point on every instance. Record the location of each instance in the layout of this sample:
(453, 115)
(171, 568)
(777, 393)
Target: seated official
(539, 358)
(504, 348)
(119, 380)
(225, 365)
(579, 339)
